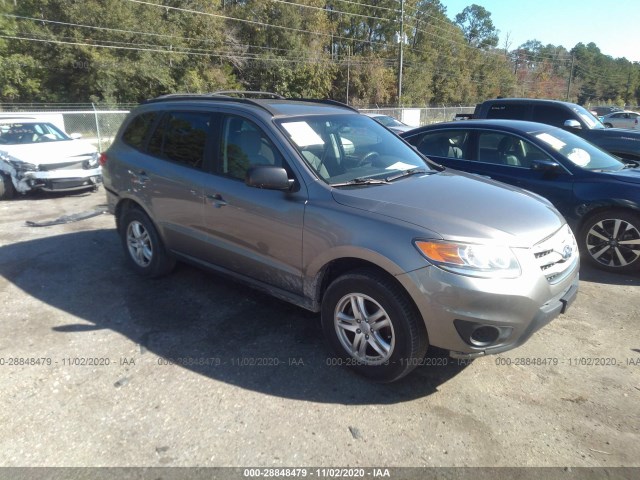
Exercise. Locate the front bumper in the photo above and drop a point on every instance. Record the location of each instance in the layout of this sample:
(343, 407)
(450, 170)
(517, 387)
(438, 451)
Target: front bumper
(453, 306)
(60, 180)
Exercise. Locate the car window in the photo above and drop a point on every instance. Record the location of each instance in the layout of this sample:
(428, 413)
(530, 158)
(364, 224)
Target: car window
(551, 115)
(181, 137)
(32, 132)
(347, 147)
(137, 130)
(449, 144)
(513, 111)
(245, 145)
(507, 149)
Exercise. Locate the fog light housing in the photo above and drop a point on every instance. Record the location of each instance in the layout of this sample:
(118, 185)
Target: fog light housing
(481, 335)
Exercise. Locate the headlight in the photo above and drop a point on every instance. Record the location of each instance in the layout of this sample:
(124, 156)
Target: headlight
(487, 261)
(23, 166)
(92, 162)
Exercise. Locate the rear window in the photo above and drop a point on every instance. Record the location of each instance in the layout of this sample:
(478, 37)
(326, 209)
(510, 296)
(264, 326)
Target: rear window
(136, 131)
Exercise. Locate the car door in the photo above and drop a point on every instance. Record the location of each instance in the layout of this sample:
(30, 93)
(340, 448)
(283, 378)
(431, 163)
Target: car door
(181, 149)
(256, 233)
(515, 160)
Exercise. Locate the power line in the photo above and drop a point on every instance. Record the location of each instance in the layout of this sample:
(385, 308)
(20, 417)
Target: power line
(252, 22)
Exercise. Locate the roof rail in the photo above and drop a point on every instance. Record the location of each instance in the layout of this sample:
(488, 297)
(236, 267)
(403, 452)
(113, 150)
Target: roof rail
(207, 96)
(328, 101)
(244, 97)
(249, 94)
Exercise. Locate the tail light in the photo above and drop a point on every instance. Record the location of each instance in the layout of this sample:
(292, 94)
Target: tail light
(103, 159)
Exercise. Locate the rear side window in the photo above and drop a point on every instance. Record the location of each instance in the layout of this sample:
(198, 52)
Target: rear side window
(513, 111)
(181, 137)
(136, 131)
(450, 144)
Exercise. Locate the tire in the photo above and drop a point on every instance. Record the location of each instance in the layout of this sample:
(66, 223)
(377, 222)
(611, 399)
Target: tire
(608, 125)
(611, 241)
(7, 189)
(142, 245)
(385, 339)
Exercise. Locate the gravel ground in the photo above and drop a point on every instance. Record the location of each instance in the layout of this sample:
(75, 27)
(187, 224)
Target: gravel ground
(85, 350)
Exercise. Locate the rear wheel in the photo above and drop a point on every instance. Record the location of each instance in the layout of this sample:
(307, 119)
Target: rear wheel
(611, 241)
(608, 125)
(372, 326)
(142, 245)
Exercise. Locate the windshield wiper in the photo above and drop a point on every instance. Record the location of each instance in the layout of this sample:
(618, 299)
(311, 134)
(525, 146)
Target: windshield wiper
(407, 173)
(360, 181)
(631, 164)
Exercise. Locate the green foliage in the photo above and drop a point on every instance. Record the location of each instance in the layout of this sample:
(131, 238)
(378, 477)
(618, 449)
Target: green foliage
(477, 26)
(117, 51)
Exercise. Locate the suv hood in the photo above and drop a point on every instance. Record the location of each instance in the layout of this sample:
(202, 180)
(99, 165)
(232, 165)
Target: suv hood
(50, 152)
(460, 206)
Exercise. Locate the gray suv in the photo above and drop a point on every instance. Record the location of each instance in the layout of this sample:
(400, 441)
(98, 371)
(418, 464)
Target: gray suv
(321, 206)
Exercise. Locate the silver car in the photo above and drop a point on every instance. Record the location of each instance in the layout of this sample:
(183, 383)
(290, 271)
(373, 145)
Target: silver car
(624, 119)
(395, 252)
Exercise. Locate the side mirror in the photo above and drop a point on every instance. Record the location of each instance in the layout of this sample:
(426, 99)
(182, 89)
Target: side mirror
(572, 124)
(268, 177)
(545, 165)
(75, 136)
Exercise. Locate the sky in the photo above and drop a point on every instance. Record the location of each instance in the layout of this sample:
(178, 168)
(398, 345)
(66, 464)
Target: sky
(611, 24)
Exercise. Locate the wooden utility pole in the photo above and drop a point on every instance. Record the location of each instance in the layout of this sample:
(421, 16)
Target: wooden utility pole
(573, 57)
(401, 37)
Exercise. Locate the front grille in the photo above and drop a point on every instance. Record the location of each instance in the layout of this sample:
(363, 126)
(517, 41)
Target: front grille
(557, 254)
(50, 167)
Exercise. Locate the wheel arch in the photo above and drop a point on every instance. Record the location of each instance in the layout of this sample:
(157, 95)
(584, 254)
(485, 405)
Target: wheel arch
(340, 266)
(124, 205)
(596, 209)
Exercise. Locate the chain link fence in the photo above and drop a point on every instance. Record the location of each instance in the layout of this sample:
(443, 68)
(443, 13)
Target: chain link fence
(416, 117)
(96, 124)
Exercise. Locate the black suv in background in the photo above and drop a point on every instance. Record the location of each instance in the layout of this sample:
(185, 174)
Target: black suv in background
(569, 116)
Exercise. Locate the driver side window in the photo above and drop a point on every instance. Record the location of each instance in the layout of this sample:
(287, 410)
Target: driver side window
(509, 150)
(245, 145)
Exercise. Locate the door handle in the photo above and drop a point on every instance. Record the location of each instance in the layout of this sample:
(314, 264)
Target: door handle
(216, 200)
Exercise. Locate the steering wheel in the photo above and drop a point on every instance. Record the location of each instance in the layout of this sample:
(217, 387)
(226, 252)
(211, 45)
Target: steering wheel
(368, 158)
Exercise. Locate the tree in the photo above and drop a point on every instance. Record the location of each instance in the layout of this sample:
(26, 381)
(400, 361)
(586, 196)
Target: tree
(477, 27)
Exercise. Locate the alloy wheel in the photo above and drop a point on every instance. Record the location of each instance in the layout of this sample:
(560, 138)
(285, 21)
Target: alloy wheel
(364, 329)
(139, 244)
(613, 242)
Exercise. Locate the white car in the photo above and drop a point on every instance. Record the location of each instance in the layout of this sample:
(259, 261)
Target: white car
(624, 119)
(36, 155)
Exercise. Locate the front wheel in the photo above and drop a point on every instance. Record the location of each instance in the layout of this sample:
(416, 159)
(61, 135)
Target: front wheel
(611, 241)
(372, 326)
(7, 189)
(142, 245)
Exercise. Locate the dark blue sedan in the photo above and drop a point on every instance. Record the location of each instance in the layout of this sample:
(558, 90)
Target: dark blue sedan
(598, 194)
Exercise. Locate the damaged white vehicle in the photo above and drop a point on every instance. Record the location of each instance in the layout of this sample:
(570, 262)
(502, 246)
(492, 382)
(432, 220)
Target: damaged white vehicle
(36, 155)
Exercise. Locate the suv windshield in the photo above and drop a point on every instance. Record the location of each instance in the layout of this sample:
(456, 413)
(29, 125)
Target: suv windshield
(587, 117)
(579, 151)
(344, 148)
